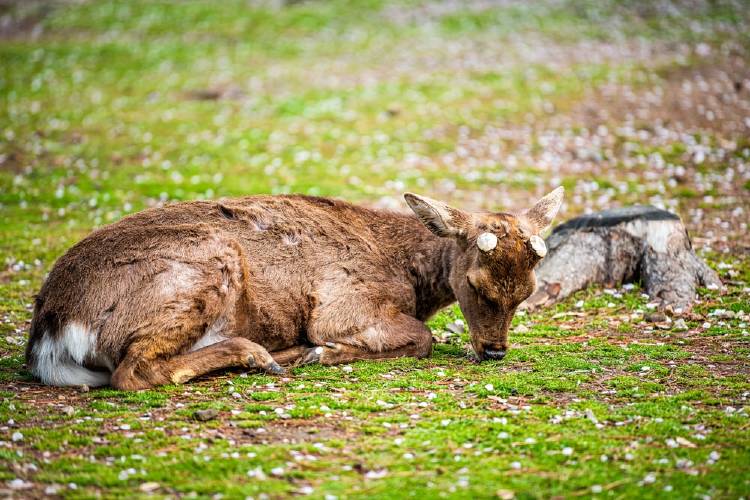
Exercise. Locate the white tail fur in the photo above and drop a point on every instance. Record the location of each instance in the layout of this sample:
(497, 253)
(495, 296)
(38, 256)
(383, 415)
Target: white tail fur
(59, 361)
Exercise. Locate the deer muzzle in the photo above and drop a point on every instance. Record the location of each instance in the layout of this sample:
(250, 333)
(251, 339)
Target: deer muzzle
(494, 355)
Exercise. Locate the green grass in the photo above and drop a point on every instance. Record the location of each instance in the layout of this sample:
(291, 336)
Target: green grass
(364, 100)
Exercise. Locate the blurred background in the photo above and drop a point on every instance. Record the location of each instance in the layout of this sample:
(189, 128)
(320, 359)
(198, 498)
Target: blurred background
(110, 107)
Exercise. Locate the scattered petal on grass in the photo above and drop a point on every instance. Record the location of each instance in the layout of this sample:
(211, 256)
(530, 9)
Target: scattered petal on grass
(376, 474)
(256, 473)
(19, 484)
(148, 487)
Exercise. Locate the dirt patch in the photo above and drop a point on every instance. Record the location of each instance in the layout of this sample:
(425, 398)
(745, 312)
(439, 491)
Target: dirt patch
(215, 93)
(710, 96)
(291, 431)
(13, 162)
(22, 19)
(676, 137)
(717, 354)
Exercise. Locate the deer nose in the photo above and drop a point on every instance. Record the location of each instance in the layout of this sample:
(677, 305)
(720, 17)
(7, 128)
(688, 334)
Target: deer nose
(494, 354)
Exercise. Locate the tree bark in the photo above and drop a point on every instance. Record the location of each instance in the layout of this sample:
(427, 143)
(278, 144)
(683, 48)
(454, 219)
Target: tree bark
(631, 244)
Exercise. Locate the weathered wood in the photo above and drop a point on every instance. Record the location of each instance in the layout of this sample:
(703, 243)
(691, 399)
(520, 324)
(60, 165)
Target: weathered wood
(632, 244)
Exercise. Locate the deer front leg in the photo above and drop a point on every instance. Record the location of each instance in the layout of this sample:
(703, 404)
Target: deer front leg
(397, 336)
(291, 355)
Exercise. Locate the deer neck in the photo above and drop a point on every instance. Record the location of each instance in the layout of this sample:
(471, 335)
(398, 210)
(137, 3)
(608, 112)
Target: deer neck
(431, 264)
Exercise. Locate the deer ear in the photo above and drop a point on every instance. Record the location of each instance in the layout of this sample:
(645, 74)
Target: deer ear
(545, 210)
(441, 219)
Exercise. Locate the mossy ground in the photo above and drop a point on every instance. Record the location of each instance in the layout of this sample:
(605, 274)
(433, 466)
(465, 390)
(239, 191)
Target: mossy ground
(110, 107)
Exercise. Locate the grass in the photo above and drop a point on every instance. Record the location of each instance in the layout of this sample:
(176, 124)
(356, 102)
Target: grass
(111, 107)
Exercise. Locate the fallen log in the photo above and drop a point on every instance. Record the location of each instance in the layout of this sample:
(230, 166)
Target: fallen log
(624, 245)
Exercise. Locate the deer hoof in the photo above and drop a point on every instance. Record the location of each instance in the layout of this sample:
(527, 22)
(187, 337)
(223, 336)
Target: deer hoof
(267, 365)
(275, 369)
(312, 355)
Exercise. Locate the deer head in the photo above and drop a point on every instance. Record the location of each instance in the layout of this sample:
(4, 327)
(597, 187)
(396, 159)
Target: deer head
(493, 268)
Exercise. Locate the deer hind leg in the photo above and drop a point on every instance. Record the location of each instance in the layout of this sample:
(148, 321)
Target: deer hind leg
(392, 335)
(134, 374)
(177, 345)
(187, 324)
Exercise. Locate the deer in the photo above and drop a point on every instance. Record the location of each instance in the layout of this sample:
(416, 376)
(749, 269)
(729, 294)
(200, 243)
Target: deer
(176, 292)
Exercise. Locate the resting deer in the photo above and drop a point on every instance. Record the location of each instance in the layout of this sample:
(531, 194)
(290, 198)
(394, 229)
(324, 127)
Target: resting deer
(173, 293)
